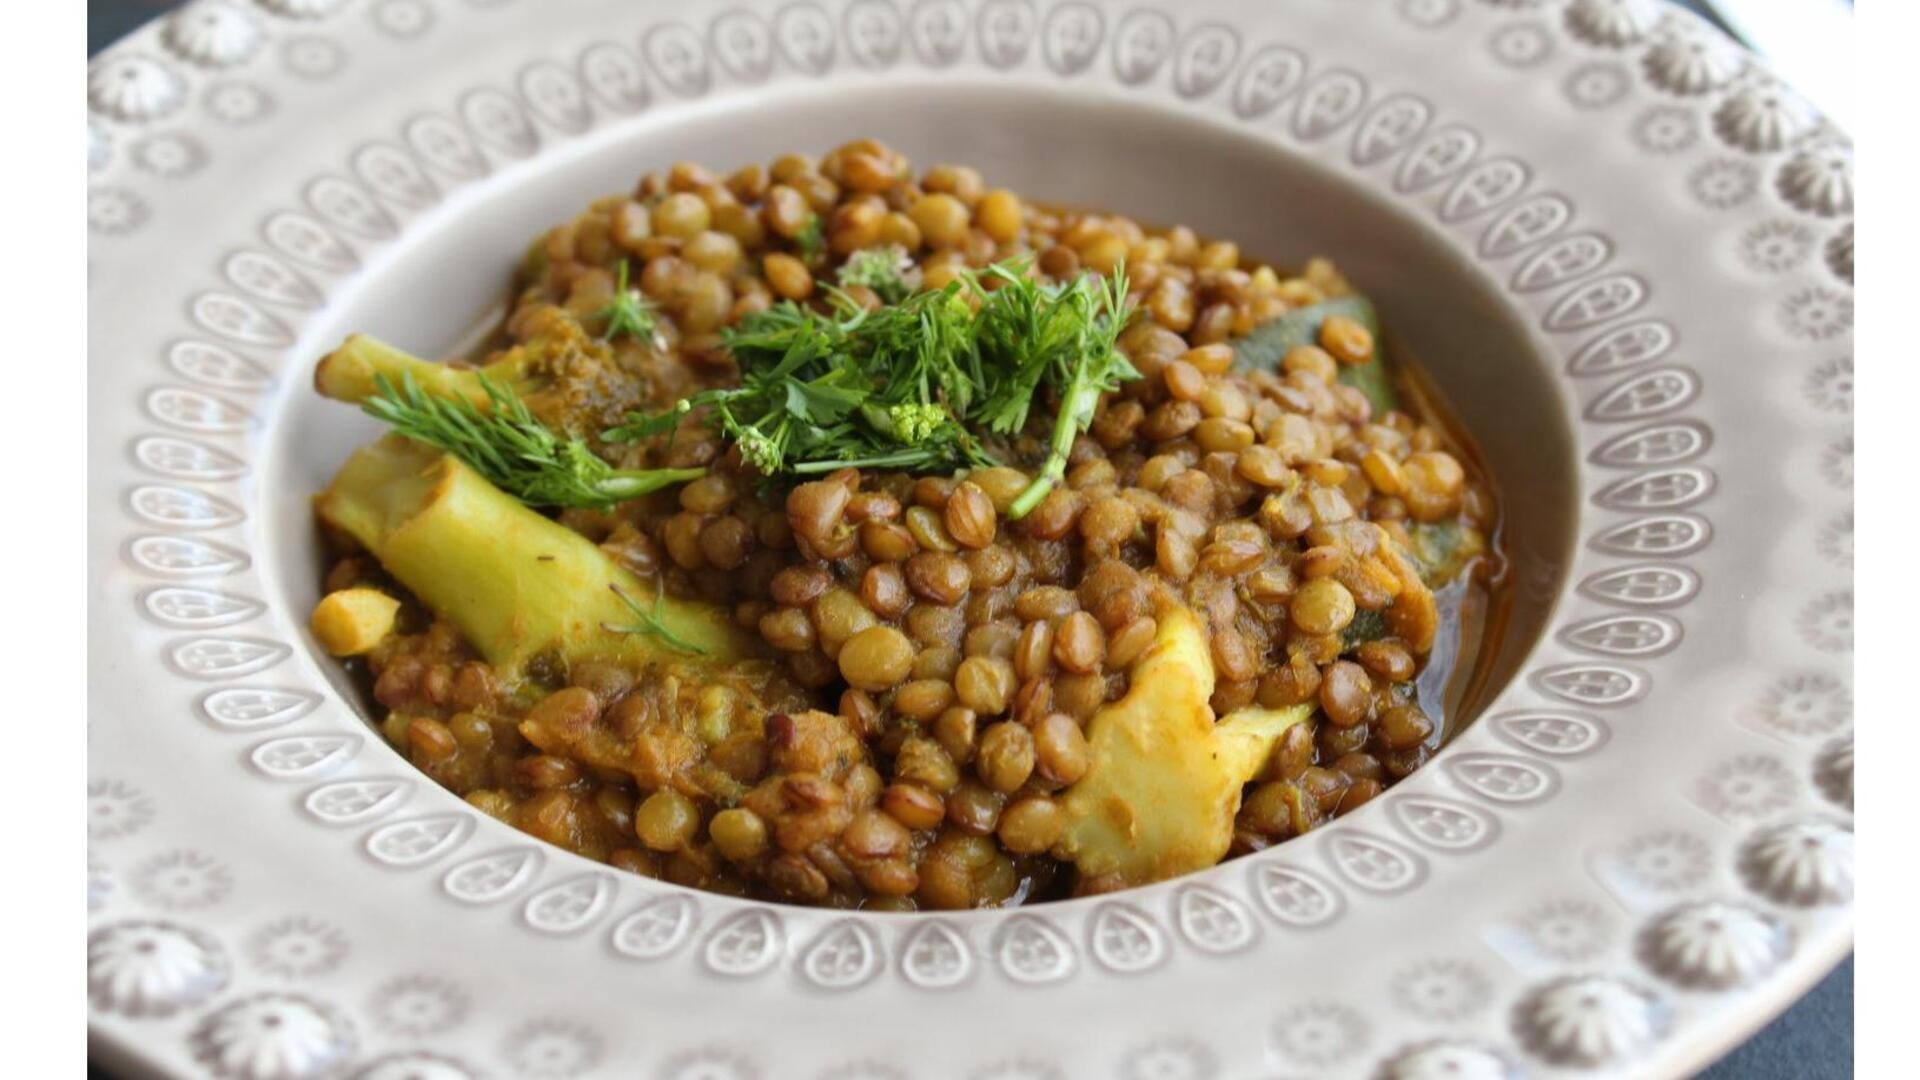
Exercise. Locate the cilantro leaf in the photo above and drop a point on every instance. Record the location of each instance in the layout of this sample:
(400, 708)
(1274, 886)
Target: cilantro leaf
(628, 312)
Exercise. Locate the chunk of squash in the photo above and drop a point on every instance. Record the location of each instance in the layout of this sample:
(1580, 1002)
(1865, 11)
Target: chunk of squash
(517, 584)
(1164, 785)
(352, 373)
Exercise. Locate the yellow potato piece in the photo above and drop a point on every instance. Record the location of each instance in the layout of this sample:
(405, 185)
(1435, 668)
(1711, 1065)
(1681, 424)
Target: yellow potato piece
(1160, 796)
(349, 622)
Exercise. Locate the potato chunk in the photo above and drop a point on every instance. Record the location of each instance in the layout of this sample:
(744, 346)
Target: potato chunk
(352, 621)
(1159, 798)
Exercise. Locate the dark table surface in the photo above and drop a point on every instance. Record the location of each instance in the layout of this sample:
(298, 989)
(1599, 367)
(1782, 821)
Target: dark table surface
(1811, 1041)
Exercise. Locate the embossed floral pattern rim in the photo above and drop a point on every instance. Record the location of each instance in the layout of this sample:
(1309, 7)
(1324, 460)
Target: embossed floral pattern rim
(1678, 929)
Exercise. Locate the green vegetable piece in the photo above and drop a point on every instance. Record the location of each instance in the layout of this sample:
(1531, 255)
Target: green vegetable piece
(513, 449)
(352, 373)
(1267, 344)
(1366, 626)
(478, 415)
(1373, 380)
(1442, 550)
(516, 584)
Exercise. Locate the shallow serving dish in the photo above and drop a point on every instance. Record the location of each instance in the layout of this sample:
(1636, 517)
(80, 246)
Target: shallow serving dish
(1621, 248)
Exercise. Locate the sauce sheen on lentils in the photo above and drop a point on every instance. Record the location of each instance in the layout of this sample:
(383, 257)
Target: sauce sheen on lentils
(930, 651)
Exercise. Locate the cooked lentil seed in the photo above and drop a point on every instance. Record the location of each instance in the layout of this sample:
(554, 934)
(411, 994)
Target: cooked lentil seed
(666, 820)
(876, 658)
(1079, 645)
(969, 516)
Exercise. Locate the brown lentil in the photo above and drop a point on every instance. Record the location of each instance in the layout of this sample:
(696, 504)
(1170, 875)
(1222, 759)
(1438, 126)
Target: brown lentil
(985, 684)
(1006, 756)
(1061, 753)
(939, 577)
(1347, 340)
(913, 806)
(876, 658)
(1079, 645)
(666, 821)
(1345, 693)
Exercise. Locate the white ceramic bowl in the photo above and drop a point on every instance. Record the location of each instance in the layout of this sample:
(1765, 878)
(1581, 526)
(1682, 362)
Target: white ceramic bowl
(1621, 246)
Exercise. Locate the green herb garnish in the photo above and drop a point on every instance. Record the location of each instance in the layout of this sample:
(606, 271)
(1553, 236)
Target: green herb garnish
(627, 313)
(1061, 337)
(916, 384)
(651, 621)
(509, 446)
(811, 239)
(824, 391)
(882, 269)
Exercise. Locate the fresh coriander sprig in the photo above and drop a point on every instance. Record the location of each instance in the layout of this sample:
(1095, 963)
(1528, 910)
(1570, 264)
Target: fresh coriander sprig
(1070, 339)
(915, 384)
(509, 446)
(821, 391)
(628, 312)
(650, 621)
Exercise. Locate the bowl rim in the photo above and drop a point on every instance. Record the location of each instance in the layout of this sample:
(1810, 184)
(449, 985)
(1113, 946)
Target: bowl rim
(189, 438)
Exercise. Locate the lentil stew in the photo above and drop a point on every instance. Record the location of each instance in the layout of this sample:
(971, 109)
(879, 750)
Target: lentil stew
(836, 533)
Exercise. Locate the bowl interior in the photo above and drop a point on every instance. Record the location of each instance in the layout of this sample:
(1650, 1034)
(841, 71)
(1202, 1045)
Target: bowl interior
(453, 268)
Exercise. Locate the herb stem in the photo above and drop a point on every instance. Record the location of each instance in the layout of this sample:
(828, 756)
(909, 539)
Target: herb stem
(903, 459)
(627, 312)
(509, 446)
(651, 621)
(1097, 368)
(1080, 398)
(623, 484)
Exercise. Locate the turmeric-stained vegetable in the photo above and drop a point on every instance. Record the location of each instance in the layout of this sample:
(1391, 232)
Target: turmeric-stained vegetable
(349, 622)
(1413, 616)
(517, 584)
(1262, 348)
(353, 372)
(513, 449)
(1159, 797)
(477, 416)
(1443, 549)
(569, 379)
